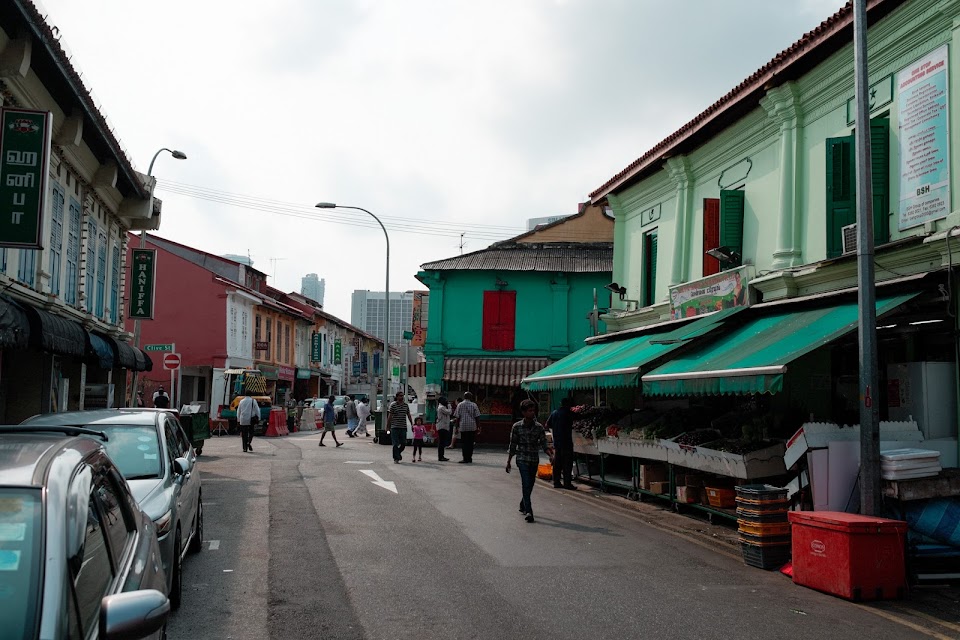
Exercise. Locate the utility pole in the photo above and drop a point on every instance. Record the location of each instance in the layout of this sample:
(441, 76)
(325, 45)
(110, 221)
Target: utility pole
(870, 494)
(461, 243)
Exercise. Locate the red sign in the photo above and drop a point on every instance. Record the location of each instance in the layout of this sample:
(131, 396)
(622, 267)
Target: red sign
(262, 345)
(171, 361)
(286, 373)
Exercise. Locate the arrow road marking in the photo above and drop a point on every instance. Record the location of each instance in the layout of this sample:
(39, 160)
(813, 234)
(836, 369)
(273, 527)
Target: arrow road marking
(380, 482)
(214, 545)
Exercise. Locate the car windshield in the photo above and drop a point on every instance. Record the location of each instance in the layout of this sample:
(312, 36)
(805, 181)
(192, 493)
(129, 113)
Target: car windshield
(20, 551)
(339, 401)
(135, 449)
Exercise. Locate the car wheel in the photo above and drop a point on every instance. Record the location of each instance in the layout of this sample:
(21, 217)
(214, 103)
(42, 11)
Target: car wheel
(196, 544)
(176, 582)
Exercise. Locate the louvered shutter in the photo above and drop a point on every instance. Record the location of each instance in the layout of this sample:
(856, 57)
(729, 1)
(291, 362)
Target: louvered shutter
(650, 269)
(731, 220)
(711, 234)
(880, 173)
(841, 191)
(508, 320)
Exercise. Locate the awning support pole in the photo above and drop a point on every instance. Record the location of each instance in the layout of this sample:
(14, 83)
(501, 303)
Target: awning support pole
(870, 491)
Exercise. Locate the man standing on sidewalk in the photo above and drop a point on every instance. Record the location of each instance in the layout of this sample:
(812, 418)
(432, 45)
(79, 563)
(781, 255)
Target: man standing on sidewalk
(398, 413)
(560, 423)
(466, 415)
(526, 439)
(248, 414)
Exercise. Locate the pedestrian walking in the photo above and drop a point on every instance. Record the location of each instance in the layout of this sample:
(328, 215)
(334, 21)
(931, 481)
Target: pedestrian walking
(398, 413)
(560, 424)
(248, 415)
(350, 410)
(140, 398)
(467, 414)
(418, 432)
(444, 430)
(363, 412)
(527, 438)
(329, 422)
(160, 398)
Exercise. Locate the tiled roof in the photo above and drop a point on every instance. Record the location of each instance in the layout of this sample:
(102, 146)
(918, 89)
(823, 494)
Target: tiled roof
(792, 62)
(570, 257)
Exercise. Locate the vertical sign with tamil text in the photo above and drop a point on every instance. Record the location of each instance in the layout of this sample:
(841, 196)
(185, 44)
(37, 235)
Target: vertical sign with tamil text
(337, 352)
(144, 272)
(924, 140)
(24, 165)
(419, 325)
(316, 347)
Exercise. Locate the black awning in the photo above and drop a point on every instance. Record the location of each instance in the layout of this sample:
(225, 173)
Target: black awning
(147, 361)
(124, 355)
(140, 360)
(101, 353)
(14, 325)
(54, 334)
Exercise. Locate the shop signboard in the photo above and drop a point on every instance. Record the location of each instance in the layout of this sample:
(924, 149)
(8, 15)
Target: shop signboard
(24, 165)
(363, 361)
(722, 291)
(144, 279)
(419, 326)
(286, 373)
(261, 345)
(376, 363)
(316, 347)
(356, 368)
(923, 119)
(337, 352)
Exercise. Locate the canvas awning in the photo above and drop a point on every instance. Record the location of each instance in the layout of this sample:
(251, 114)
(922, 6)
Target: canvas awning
(499, 372)
(753, 357)
(101, 352)
(54, 334)
(619, 363)
(14, 325)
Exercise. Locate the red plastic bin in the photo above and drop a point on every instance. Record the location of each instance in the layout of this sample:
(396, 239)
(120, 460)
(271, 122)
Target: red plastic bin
(848, 555)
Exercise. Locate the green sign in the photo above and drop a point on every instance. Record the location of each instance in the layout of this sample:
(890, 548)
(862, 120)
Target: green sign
(144, 275)
(316, 347)
(24, 159)
(336, 352)
(158, 347)
(408, 335)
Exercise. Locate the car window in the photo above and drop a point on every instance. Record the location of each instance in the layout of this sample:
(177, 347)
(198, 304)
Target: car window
(135, 449)
(117, 522)
(91, 573)
(20, 561)
(182, 438)
(173, 446)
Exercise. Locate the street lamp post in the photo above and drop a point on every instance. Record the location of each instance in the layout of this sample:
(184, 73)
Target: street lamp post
(179, 155)
(386, 327)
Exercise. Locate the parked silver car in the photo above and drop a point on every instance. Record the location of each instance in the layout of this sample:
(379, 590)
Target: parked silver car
(78, 558)
(155, 457)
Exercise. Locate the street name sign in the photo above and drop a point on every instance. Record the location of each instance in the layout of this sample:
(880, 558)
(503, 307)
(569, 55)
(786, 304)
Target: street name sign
(158, 347)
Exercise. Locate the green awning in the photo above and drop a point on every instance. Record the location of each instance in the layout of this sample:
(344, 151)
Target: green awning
(618, 363)
(753, 357)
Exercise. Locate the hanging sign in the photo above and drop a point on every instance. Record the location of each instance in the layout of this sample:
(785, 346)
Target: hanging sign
(316, 347)
(142, 292)
(24, 165)
(337, 352)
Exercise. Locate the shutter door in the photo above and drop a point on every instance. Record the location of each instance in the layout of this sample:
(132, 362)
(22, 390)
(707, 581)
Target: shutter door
(841, 191)
(491, 320)
(711, 234)
(731, 220)
(508, 320)
(880, 172)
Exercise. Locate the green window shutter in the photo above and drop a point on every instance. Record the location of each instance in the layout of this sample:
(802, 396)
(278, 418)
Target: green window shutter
(841, 191)
(650, 270)
(880, 172)
(731, 220)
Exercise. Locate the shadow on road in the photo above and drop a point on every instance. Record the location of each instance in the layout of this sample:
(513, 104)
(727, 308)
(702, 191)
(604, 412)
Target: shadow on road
(579, 528)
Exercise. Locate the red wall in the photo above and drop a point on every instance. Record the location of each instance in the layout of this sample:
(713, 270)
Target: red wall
(190, 310)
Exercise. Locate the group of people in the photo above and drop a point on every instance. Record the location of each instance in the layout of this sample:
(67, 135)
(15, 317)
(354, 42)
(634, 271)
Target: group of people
(462, 416)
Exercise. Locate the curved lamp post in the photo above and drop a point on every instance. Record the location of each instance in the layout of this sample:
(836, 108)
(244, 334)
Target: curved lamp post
(179, 155)
(386, 326)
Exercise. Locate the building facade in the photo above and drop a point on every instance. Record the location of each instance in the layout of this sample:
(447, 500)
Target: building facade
(313, 287)
(368, 311)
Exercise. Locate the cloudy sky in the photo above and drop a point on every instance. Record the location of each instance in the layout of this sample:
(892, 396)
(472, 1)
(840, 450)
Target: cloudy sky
(441, 116)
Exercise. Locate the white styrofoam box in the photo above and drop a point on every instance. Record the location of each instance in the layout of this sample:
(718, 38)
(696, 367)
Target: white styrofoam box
(908, 454)
(948, 451)
(756, 464)
(814, 435)
(910, 465)
(910, 475)
(633, 448)
(817, 462)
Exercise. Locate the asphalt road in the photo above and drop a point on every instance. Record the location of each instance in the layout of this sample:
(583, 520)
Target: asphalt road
(300, 543)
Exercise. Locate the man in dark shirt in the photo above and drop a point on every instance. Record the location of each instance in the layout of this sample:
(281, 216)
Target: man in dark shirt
(526, 439)
(398, 413)
(560, 423)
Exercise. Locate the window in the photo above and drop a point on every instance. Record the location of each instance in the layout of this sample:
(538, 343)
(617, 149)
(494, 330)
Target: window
(256, 328)
(722, 227)
(27, 269)
(115, 284)
(101, 272)
(269, 337)
(56, 239)
(91, 263)
(841, 186)
(115, 519)
(73, 254)
(91, 573)
(649, 282)
(286, 343)
(279, 340)
(499, 320)
(173, 445)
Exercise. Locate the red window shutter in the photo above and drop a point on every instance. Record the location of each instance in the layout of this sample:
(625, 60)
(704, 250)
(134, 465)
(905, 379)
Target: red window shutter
(711, 234)
(508, 319)
(491, 320)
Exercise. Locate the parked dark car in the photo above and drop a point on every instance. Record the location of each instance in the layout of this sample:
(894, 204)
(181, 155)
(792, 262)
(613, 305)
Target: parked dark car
(157, 460)
(78, 558)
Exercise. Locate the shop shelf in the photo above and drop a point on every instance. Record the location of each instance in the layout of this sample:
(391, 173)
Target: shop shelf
(756, 464)
(633, 448)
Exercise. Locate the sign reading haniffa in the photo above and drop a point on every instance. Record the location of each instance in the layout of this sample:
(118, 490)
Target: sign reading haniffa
(722, 291)
(144, 279)
(924, 140)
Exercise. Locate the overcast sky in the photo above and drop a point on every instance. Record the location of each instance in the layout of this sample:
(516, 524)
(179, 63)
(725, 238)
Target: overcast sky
(441, 116)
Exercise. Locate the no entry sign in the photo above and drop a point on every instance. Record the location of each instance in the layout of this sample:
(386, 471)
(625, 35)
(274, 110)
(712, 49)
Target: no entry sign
(171, 361)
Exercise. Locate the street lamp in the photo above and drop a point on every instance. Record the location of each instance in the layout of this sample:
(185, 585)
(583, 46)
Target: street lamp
(386, 330)
(179, 155)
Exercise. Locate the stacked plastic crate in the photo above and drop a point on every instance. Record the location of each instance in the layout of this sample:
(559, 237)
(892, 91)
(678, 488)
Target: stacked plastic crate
(763, 526)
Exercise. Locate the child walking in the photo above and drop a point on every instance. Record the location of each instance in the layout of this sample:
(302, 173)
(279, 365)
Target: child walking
(418, 431)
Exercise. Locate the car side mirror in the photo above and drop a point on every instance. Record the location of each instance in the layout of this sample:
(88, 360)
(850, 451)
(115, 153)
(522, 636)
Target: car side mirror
(181, 466)
(133, 615)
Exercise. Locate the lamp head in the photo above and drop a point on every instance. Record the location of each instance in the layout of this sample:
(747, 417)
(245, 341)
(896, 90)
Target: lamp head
(725, 255)
(616, 288)
(179, 155)
(325, 205)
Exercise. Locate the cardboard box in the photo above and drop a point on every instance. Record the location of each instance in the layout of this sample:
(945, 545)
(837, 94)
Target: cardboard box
(650, 473)
(660, 488)
(688, 494)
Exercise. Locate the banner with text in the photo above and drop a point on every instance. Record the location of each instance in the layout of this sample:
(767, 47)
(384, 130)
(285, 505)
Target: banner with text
(419, 326)
(24, 165)
(924, 140)
(142, 291)
(722, 291)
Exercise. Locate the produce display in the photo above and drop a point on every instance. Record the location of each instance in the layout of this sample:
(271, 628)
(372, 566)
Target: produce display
(494, 407)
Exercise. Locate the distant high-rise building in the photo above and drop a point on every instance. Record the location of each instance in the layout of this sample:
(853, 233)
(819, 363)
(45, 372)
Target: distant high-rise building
(238, 258)
(369, 313)
(313, 287)
(533, 223)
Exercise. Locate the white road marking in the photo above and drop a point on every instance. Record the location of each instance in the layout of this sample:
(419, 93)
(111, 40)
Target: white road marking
(358, 462)
(214, 545)
(228, 570)
(380, 482)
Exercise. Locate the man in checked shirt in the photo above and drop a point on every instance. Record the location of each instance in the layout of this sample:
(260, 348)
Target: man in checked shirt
(526, 439)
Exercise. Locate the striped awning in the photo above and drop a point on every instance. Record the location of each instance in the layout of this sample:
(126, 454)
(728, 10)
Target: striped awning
(499, 372)
(417, 370)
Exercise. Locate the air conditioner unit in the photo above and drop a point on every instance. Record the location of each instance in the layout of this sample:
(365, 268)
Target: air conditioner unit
(848, 235)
